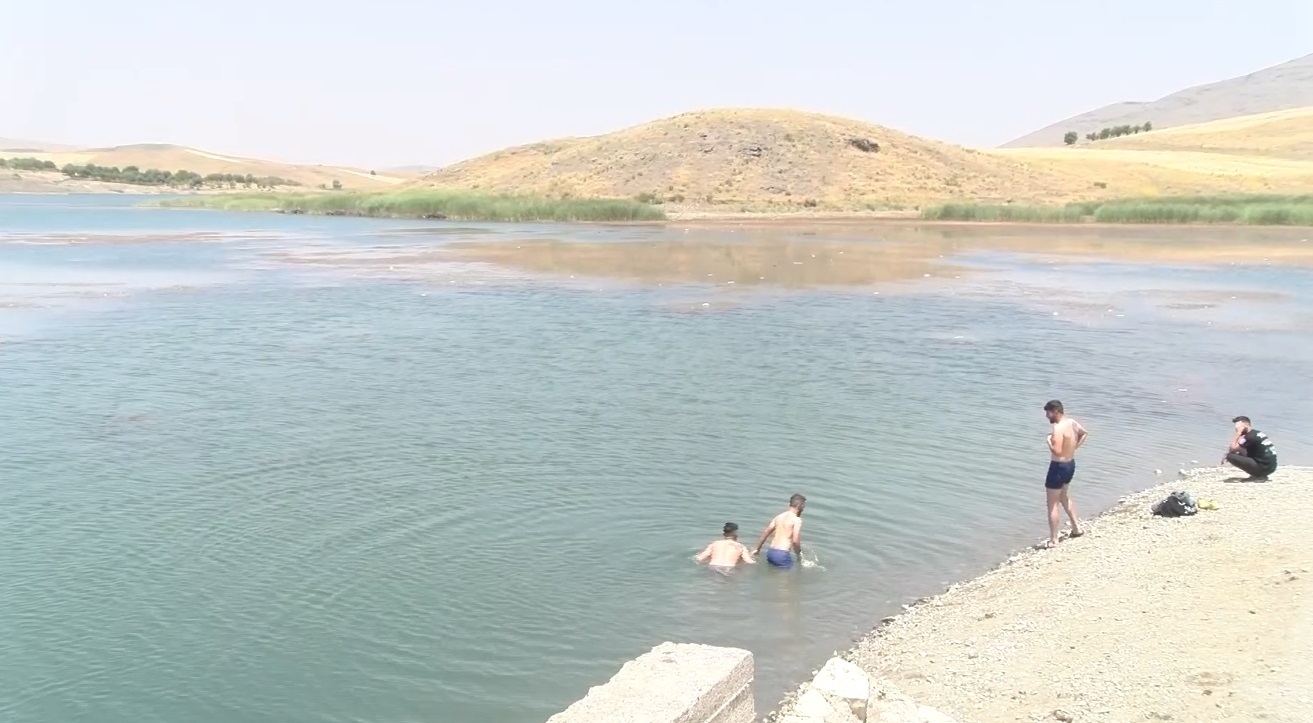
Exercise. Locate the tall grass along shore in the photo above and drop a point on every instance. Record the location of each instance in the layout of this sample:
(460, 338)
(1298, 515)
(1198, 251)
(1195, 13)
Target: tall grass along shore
(431, 203)
(1255, 210)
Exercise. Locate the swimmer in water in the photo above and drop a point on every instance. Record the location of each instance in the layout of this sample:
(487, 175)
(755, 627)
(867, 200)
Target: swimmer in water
(785, 533)
(726, 554)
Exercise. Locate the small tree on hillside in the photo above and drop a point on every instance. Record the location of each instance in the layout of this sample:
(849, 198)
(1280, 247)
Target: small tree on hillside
(1071, 138)
(1148, 126)
(337, 185)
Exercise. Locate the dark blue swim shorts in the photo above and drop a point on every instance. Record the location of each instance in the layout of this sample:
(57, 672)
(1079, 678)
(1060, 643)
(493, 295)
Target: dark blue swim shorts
(1060, 474)
(779, 558)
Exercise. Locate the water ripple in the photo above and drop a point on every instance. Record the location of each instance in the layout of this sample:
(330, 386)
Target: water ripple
(272, 500)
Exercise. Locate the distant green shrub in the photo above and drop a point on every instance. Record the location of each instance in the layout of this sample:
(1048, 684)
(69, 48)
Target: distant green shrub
(1111, 132)
(154, 177)
(1259, 210)
(28, 164)
(1002, 213)
(432, 203)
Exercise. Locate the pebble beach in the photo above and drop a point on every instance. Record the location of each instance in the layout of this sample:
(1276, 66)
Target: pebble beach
(1200, 618)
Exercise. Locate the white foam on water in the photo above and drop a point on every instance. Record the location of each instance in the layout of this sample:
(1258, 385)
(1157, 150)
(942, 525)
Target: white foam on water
(814, 563)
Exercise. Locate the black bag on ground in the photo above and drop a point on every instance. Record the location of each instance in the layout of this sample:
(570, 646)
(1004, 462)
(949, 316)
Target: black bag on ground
(1177, 504)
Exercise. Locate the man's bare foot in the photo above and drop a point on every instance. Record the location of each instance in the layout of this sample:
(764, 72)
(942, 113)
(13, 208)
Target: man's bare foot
(1047, 545)
(1075, 532)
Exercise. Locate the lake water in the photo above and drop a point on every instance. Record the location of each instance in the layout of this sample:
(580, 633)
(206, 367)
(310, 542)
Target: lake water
(289, 469)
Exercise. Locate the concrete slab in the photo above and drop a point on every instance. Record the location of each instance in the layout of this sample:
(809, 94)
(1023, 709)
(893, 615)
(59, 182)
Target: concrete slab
(672, 683)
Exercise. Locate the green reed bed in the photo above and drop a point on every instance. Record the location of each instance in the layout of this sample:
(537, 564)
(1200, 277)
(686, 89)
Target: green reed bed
(1002, 213)
(1256, 210)
(455, 205)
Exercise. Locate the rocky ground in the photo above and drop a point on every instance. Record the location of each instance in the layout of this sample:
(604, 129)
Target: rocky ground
(1202, 618)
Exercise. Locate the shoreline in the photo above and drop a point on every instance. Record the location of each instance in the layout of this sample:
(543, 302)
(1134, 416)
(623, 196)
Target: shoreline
(859, 219)
(672, 216)
(1207, 617)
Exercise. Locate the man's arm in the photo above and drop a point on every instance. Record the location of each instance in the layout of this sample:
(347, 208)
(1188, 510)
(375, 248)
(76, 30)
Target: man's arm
(797, 538)
(1234, 446)
(1081, 434)
(764, 534)
(1055, 445)
(747, 555)
(704, 555)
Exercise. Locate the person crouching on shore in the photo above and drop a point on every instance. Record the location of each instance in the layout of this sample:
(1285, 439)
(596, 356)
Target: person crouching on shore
(1251, 451)
(725, 554)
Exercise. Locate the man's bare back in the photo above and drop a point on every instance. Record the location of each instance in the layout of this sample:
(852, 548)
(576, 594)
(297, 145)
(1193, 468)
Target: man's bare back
(726, 553)
(784, 524)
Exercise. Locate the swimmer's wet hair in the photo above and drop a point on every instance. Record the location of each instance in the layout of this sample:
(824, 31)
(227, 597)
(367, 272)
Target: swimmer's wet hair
(731, 528)
(1053, 406)
(795, 500)
(1241, 418)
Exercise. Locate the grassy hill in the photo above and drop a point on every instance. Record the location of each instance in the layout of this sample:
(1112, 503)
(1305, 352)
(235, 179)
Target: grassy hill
(1280, 87)
(1284, 134)
(732, 161)
(173, 158)
(756, 160)
(781, 160)
(1264, 153)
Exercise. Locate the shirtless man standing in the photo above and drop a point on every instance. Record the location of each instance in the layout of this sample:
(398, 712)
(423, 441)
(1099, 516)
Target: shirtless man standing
(725, 554)
(785, 533)
(1067, 437)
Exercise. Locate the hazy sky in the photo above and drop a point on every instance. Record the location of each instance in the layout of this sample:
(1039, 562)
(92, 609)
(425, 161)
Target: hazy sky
(390, 82)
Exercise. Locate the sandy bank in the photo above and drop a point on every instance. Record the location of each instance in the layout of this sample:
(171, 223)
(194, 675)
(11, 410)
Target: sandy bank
(1204, 618)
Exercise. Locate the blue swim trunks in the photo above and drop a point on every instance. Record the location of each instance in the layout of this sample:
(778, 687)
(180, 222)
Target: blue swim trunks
(1060, 474)
(779, 558)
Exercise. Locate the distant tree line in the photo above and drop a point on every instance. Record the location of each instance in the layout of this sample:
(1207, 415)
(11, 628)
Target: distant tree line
(150, 176)
(27, 164)
(1110, 132)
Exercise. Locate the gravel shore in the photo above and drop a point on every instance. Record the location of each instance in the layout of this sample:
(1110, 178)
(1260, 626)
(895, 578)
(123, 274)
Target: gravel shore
(1201, 618)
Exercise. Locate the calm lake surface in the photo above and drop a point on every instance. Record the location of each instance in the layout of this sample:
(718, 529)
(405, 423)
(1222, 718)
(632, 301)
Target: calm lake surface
(289, 469)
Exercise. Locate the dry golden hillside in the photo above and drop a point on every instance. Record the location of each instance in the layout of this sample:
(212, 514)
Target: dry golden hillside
(1264, 153)
(1167, 173)
(1281, 134)
(780, 160)
(758, 160)
(174, 158)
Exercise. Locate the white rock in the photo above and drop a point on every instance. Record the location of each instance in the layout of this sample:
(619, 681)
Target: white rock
(844, 679)
(812, 705)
